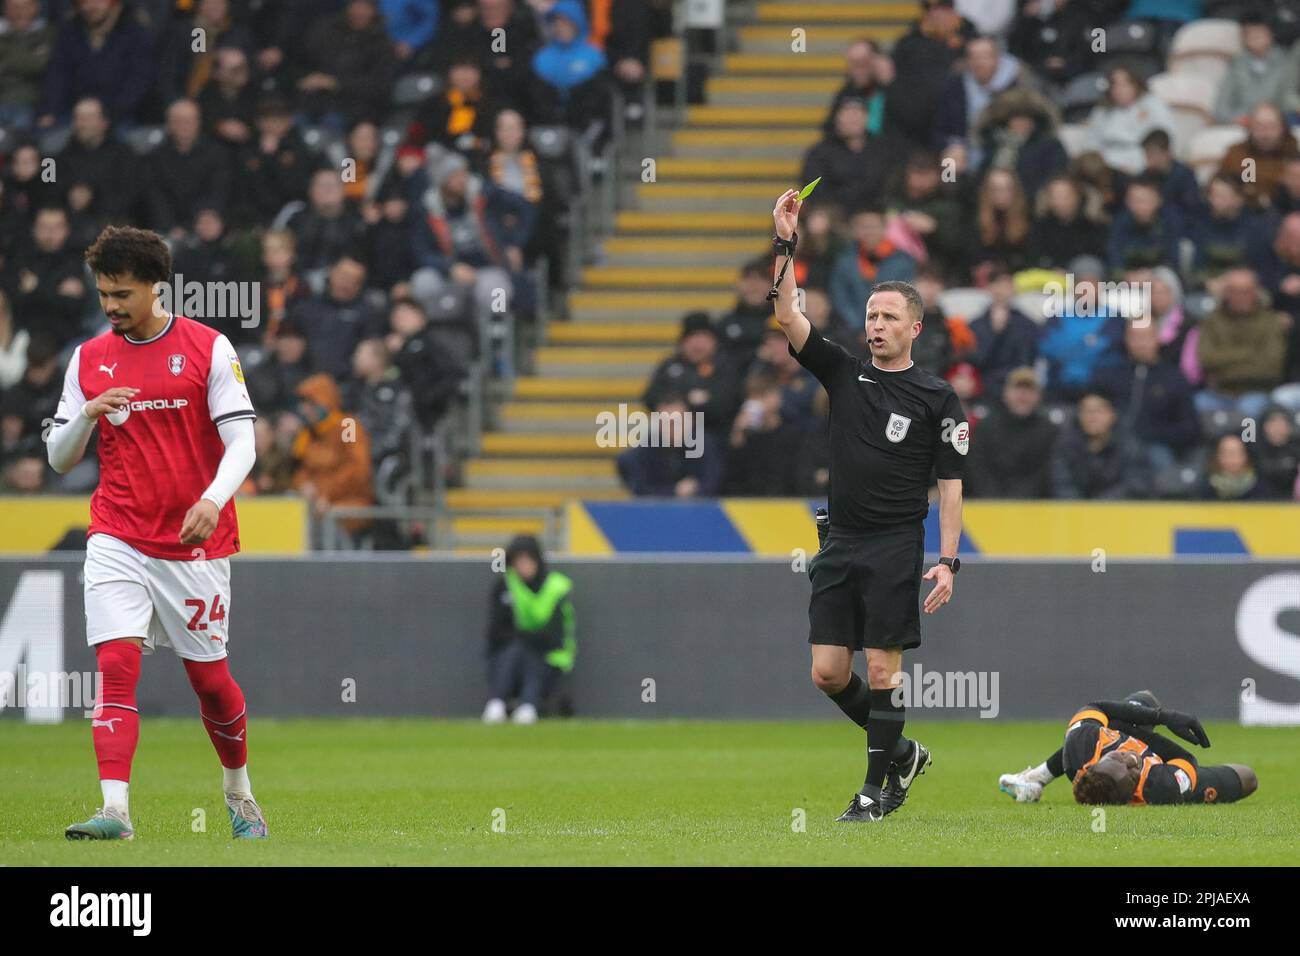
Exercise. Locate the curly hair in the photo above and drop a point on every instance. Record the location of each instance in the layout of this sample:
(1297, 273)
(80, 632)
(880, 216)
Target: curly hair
(1097, 788)
(124, 250)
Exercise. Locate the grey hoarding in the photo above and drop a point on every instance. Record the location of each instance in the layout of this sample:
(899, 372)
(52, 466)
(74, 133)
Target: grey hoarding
(719, 638)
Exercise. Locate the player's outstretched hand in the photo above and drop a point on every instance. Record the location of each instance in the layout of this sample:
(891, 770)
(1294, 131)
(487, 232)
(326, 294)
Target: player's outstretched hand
(942, 592)
(786, 213)
(110, 400)
(200, 521)
(1185, 726)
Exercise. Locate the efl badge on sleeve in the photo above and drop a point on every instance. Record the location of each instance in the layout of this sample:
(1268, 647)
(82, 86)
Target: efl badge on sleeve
(176, 364)
(237, 369)
(897, 428)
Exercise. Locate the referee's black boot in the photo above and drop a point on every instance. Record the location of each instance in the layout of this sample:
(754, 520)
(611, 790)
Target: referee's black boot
(902, 775)
(862, 810)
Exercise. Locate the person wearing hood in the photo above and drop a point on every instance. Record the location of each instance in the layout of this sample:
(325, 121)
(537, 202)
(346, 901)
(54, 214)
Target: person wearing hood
(1231, 474)
(531, 635)
(574, 81)
(988, 72)
(478, 231)
(1018, 132)
(332, 452)
(1095, 459)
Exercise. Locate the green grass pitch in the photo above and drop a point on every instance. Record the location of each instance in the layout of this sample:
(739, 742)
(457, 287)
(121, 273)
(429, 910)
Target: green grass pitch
(426, 792)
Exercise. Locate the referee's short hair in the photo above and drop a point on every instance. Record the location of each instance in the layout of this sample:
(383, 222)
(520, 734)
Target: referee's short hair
(907, 291)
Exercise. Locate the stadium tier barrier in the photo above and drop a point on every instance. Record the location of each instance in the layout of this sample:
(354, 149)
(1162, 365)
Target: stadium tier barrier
(1004, 529)
(776, 527)
(682, 636)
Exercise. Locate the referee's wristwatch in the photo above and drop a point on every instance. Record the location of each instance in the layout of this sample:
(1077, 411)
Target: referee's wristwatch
(954, 564)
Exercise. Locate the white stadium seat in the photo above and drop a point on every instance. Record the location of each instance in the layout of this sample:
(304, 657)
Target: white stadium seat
(1186, 91)
(964, 303)
(1207, 148)
(1074, 137)
(1204, 47)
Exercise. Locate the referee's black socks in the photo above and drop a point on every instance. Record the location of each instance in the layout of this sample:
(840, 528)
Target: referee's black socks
(884, 738)
(854, 700)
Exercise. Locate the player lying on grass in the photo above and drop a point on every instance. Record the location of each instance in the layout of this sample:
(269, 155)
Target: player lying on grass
(1113, 755)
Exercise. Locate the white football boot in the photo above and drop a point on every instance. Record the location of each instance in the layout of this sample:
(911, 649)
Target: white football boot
(1020, 786)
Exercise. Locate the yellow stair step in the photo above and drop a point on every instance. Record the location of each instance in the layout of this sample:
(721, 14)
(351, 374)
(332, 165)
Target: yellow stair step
(785, 64)
(578, 333)
(474, 499)
(632, 245)
(758, 115)
(770, 34)
(864, 13)
(669, 305)
(598, 355)
(679, 222)
(675, 170)
(545, 411)
(756, 191)
(760, 84)
(547, 443)
(539, 468)
(634, 277)
(536, 387)
(794, 138)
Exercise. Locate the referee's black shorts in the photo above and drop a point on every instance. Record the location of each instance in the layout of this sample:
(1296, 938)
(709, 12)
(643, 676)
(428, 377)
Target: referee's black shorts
(866, 589)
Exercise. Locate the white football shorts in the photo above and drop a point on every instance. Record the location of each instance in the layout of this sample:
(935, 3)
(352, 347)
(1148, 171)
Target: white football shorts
(184, 605)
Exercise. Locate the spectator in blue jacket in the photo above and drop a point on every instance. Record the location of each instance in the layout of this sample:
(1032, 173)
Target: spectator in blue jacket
(869, 260)
(1005, 338)
(1153, 398)
(1085, 338)
(104, 51)
(1146, 231)
(411, 25)
(571, 69)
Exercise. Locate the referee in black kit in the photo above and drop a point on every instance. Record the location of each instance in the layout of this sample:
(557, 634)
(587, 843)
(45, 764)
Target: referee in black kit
(891, 426)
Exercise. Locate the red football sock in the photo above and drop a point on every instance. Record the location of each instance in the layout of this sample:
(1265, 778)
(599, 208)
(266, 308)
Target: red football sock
(116, 730)
(221, 705)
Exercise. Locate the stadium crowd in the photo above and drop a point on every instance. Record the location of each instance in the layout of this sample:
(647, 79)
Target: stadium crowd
(288, 143)
(942, 163)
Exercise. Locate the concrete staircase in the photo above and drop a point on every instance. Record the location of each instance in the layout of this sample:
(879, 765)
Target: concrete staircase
(677, 247)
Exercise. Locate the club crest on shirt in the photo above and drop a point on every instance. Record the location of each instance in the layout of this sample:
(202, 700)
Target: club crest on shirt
(175, 364)
(897, 428)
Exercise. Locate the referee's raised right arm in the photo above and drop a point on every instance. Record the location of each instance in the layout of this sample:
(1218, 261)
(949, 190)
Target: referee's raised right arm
(794, 323)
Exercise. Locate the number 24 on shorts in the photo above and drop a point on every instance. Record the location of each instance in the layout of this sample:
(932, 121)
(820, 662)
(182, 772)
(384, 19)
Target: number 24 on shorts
(217, 614)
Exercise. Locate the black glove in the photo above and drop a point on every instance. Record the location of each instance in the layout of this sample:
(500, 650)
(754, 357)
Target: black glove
(1185, 726)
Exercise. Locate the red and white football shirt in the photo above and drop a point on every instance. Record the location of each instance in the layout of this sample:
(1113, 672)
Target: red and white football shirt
(157, 457)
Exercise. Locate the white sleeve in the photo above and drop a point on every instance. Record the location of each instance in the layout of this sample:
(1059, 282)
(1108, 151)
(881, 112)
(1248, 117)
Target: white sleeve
(227, 394)
(241, 451)
(66, 441)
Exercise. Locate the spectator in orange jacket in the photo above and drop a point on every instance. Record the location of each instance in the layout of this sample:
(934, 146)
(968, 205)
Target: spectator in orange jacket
(332, 451)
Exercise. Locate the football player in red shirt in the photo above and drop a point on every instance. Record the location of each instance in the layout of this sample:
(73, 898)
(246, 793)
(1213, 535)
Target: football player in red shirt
(175, 439)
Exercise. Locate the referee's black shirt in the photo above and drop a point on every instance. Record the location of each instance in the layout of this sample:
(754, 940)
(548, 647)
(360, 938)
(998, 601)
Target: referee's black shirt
(889, 432)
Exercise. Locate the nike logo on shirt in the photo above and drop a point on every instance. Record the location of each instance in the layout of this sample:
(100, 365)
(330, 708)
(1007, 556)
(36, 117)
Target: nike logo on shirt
(863, 378)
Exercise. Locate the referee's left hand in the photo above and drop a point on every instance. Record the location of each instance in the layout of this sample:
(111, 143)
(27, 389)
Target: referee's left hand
(942, 592)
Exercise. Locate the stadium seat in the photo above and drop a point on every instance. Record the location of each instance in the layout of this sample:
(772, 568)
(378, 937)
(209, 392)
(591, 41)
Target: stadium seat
(321, 139)
(414, 89)
(964, 303)
(1032, 304)
(1080, 95)
(1204, 47)
(1126, 38)
(1186, 91)
(1074, 137)
(144, 139)
(1207, 147)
